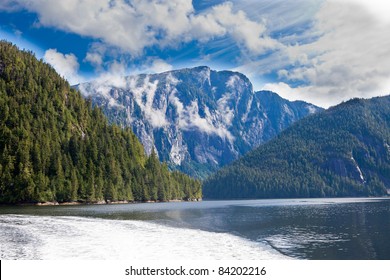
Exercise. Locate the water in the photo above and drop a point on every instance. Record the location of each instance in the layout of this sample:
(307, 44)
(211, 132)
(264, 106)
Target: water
(247, 229)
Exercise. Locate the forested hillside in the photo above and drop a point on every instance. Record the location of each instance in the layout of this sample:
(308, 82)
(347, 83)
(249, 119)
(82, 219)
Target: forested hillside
(344, 151)
(55, 147)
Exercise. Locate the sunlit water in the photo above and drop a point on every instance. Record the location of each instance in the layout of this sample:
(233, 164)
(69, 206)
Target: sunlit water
(254, 229)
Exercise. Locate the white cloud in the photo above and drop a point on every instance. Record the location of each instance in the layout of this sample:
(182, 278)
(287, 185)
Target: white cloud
(227, 113)
(144, 94)
(252, 35)
(150, 65)
(94, 59)
(10, 6)
(135, 25)
(348, 56)
(351, 59)
(300, 93)
(189, 119)
(65, 64)
(108, 80)
(157, 65)
(324, 51)
(380, 9)
(154, 104)
(215, 122)
(233, 82)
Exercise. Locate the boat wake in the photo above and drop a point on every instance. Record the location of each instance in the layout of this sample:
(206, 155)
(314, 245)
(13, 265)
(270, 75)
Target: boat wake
(48, 238)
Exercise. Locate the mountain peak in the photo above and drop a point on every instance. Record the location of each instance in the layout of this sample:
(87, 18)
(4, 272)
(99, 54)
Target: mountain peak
(197, 119)
(201, 68)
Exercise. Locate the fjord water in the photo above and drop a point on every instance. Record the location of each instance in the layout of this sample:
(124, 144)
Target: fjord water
(246, 229)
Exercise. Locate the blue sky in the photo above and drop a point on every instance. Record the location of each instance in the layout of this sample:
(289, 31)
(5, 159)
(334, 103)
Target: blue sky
(321, 51)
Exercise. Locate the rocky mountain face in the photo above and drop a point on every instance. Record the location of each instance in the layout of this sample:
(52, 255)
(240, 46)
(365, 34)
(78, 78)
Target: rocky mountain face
(195, 119)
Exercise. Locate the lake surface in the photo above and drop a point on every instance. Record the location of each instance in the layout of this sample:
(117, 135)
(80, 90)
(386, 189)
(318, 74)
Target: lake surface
(246, 229)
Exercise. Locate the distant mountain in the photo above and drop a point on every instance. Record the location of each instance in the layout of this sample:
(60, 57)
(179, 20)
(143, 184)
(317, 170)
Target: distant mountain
(196, 119)
(343, 151)
(55, 147)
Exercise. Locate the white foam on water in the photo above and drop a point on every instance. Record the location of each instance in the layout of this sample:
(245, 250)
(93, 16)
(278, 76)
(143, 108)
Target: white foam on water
(37, 237)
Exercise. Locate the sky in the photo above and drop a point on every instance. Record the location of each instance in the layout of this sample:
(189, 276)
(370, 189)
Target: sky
(320, 51)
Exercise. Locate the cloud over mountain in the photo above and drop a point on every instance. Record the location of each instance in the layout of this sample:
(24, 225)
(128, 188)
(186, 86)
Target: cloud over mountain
(65, 64)
(196, 119)
(321, 51)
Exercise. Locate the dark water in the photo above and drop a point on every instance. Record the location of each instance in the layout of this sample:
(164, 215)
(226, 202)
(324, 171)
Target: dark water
(306, 229)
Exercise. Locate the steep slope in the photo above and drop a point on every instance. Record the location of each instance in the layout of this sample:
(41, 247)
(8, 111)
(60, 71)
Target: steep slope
(344, 151)
(55, 147)
(196, 119)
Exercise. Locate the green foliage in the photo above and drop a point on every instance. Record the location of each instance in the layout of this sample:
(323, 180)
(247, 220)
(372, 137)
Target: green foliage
(55, 147)
(344, 151)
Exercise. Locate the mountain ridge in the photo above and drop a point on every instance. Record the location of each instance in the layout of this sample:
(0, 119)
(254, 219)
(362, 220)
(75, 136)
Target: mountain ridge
(196, 119)
(342, 151)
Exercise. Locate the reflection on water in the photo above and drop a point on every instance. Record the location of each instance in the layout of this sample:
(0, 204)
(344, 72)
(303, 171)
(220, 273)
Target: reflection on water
(309, 229)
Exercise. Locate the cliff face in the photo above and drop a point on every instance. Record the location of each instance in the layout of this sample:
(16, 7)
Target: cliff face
(196, 119)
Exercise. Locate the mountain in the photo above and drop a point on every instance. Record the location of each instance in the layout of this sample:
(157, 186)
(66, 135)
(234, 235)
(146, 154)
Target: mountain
(196, 119)
(55, 147)
(343, 151)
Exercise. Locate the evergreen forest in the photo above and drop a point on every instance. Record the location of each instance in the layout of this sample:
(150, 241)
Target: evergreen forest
(341, 152)
(54, 146)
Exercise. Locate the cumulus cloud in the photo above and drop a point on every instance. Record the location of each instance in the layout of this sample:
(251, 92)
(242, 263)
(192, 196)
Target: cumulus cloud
(135, 25)
(65, 64)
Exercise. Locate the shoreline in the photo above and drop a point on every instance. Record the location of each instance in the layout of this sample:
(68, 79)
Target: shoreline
(101, 202)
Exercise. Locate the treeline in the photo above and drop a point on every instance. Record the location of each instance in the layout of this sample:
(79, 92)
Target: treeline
(55, 147)
(344, 151)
